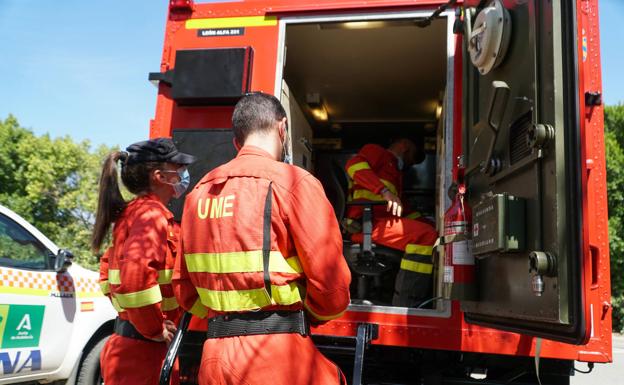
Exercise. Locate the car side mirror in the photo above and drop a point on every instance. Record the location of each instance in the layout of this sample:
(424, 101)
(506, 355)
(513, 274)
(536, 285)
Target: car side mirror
(63, 260)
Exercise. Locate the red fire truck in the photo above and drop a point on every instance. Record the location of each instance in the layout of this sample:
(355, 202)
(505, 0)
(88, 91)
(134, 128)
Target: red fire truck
(503, 98)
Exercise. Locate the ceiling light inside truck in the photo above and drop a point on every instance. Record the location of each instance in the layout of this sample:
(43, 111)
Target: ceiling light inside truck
(319, 113)
(360, 24)
(364, 24)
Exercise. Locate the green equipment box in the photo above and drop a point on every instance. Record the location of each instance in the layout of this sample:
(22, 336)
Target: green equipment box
(498, 224)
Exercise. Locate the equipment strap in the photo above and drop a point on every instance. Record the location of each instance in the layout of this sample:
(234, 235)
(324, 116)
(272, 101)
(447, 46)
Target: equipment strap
(266, 239)
(258, 322)
(538, 352)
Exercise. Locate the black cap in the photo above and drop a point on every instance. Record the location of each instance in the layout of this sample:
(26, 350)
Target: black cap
(157, 150)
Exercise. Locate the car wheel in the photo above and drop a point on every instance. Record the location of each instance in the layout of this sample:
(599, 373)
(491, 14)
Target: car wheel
(90, 371)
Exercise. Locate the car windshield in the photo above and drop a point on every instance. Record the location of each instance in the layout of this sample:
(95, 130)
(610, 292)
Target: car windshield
(19, 248)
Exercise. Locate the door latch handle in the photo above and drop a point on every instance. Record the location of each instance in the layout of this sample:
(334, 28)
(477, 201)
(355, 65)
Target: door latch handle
(493, 120)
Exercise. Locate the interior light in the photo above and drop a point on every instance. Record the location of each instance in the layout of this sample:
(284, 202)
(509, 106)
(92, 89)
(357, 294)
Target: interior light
(319, 113)
(364, 24)
(438, 111)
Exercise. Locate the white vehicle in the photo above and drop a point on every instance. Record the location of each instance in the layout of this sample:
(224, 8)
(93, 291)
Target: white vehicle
(54, 319)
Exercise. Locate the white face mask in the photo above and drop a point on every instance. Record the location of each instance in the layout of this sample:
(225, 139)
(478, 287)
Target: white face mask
(182, 185)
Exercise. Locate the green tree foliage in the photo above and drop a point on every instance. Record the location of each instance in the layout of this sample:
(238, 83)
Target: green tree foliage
(614, 142)
(52, 183)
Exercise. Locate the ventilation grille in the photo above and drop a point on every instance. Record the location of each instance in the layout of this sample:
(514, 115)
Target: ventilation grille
(518, 146)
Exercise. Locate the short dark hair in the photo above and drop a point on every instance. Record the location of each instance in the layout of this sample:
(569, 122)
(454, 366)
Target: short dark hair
(257, 112)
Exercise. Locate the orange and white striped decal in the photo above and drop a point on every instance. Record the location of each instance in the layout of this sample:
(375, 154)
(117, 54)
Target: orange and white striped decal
(36, 283)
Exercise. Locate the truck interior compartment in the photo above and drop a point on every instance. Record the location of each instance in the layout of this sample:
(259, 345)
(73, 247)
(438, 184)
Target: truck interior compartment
(347, 84)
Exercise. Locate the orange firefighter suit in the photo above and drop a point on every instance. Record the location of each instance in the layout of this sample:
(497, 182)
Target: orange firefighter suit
(135, 272)
(372, 170)
(223, 270)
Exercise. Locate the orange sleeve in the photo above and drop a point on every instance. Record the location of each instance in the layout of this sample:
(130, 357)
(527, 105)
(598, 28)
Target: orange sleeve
(318, 241)
(360, 167)
(183, 288)
(144, 251)
(169, 305)
(104, 286)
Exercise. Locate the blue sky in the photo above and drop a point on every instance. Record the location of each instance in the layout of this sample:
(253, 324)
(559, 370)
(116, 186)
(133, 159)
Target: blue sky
(79, 68)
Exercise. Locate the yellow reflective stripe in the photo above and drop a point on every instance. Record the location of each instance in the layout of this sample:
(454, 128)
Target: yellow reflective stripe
(114, 277)
(294, 264)
(418, 267)
(371, 196)
(240, 262)
(365, 194)
(198, 309)
(418, 249)
(413, 215)
(390, 186)
(323, 317)
(164, 276)
(116, 305)
(169, 303)
(104, 285)
(241, 300)
(232, 22)
(25, 291)
(139, 298)
(357, 167)
(47, 292)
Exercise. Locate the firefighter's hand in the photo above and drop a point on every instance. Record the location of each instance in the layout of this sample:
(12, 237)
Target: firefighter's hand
(167, 333)
(394, 203)
(169, 325)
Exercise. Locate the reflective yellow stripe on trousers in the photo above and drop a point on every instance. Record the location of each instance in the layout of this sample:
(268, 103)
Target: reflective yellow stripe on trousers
(420, 260)
(417, 267)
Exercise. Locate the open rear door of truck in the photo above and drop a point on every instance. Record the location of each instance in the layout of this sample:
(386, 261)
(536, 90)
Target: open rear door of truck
(527, 174)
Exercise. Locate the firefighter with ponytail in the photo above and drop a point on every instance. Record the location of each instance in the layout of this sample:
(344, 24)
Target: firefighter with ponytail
(135, 271)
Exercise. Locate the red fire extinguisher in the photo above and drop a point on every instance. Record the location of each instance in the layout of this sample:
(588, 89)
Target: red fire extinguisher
(459, 263)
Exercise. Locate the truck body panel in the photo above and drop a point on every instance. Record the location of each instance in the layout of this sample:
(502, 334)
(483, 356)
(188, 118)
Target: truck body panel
(263, 26)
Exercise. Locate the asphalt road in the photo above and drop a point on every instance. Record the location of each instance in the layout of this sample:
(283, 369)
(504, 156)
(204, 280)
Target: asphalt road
(604, 374)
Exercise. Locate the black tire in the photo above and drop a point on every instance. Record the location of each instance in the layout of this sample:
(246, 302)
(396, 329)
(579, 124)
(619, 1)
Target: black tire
(90, 373)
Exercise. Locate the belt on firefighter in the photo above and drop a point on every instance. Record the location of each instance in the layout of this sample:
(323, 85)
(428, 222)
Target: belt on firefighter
(126, 329)
(258, 322)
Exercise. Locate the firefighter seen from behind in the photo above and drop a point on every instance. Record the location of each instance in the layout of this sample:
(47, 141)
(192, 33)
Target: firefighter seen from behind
(262, 259)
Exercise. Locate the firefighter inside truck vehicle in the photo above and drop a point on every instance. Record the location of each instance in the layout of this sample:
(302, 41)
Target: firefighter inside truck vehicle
(375, 176)
(348, 82)
(346, 99)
